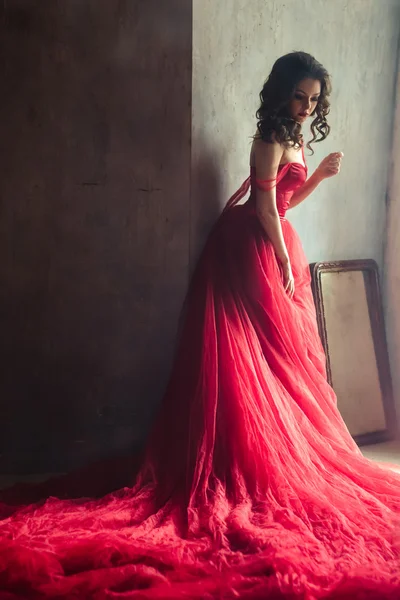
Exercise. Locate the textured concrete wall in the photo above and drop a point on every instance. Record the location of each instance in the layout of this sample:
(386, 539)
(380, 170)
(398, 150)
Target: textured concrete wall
(392, 255)
(97, 223)
(94, 175)
(235, 44)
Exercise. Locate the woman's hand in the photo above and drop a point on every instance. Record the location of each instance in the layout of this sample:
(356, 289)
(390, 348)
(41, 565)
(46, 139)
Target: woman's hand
(330, 166)
(288, 279)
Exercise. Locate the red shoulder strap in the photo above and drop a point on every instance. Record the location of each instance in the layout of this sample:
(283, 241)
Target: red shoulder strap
(238, 195)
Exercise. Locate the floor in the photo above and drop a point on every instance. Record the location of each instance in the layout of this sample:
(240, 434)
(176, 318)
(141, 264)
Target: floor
(388, 452)
(8, 480)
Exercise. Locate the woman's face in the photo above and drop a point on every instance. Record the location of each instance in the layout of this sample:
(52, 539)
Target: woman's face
(305, 99)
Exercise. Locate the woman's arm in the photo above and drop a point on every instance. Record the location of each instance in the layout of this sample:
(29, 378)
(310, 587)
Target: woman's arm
(329, 167)
(306, 189)
(267, 160)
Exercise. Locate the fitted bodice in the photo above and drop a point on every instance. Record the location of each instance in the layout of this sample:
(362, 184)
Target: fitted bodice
(289, 178)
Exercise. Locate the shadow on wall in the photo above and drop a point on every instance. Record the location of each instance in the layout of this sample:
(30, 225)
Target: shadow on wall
(207, 201)
(94, 224)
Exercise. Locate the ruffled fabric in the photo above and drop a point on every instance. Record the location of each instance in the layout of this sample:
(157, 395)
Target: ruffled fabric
(251, 486)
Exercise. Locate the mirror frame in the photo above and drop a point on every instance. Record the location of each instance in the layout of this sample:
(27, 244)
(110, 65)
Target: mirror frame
(369, 269)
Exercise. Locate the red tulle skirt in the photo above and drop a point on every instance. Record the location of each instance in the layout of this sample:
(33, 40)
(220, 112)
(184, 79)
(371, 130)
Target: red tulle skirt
(251, 486)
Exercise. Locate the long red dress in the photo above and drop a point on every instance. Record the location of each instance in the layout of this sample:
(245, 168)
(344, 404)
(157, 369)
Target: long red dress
(252, 486)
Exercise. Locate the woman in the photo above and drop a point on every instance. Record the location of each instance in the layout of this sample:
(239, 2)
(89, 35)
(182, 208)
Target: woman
(251, 486)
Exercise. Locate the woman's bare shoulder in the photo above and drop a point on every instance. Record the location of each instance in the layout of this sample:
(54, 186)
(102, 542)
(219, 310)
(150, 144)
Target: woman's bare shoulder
(266, 149)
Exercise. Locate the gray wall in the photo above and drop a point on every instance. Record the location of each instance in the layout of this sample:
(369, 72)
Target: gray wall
(94, 222)
(392, 255)
(235, 44)
(110, 180)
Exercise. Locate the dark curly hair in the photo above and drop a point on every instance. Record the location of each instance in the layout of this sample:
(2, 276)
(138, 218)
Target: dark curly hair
(274, 122)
